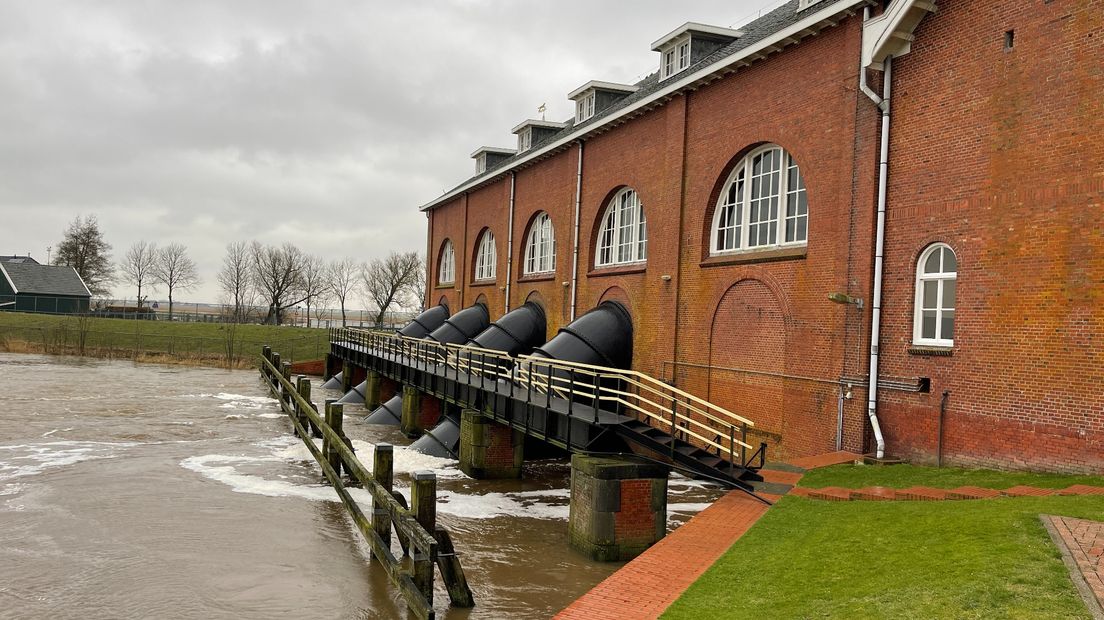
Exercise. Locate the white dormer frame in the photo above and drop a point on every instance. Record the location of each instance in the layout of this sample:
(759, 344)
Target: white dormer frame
(585, 97)
(525, 139)
(524, 132)
(480, 156)
(674, 47)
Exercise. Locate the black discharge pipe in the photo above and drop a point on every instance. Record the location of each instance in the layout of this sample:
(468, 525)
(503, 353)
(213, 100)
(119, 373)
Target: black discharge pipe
(426, 322)
(389, 412)
(335, 382)
(461, 326)
(516, 333)
(601, 337)
(355, 396)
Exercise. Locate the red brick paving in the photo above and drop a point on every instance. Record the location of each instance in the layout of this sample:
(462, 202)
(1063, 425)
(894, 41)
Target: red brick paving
(972, 493)
(779, 477)
(647, 585)
(922, 494)
(1026, 491)
(1084, 540)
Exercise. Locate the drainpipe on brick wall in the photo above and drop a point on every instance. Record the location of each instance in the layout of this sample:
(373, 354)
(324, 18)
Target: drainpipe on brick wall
(575, 240)
(883, 103)
(510, 242)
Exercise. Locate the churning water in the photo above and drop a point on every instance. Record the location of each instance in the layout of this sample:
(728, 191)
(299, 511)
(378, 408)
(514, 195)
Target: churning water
(144, 491)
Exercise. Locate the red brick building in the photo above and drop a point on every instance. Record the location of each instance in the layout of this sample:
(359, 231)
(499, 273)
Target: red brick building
(726, 197)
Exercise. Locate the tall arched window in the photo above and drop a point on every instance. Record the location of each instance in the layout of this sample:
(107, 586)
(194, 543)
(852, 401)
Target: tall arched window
(623, 237)
(446, 266)
(486, 257)
(764, 195)
(540, 247)
(936, 288)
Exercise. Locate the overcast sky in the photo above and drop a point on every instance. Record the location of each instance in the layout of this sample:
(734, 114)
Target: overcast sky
(322, 123)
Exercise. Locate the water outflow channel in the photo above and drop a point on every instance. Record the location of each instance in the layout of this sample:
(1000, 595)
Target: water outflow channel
(145, 491)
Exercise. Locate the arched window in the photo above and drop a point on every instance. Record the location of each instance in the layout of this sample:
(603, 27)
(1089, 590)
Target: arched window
(623, 237)
(446, 266)
(936, 279)
(540, 247)
(486, 257)
(764, 194)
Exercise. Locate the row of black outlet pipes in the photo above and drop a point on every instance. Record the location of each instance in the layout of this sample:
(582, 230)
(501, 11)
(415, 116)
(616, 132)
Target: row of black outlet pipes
(601, 337)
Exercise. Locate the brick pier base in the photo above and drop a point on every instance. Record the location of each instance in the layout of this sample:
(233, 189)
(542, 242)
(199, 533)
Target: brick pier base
(618, 507)
(420, 412)
(489, 450)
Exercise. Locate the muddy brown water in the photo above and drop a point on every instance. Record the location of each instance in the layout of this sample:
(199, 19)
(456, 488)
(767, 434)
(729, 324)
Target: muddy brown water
(147, 491)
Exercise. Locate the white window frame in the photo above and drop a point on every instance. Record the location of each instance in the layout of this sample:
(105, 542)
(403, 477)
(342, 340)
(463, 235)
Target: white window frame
(486, 258)
(940, 279)
(674, 57)
(525, 139)
(481, 164)
(737, 230)
(584, 107)
(446, 268)
(540, 247)
(623, 234)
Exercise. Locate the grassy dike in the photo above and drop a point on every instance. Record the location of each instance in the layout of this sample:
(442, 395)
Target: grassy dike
(206, 344)
(946, 559)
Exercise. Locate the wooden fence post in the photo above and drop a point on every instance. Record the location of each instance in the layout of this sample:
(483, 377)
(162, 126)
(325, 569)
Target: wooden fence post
(330, 402)
(423, 502)
(336, 422)
(383, 469)
(275, 359)
(304, 386)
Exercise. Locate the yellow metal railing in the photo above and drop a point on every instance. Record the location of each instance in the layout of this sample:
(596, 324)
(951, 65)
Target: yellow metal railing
(626, 392)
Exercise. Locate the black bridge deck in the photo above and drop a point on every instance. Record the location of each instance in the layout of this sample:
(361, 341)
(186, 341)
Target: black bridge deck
(570, 424)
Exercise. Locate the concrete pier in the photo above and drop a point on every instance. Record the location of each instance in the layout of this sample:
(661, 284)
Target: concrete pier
(618, 506)
(489, 450)
(419, 412)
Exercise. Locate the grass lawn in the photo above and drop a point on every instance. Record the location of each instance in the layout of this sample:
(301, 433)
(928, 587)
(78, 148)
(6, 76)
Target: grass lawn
(950, 559)
(902, 476)
(201, 342)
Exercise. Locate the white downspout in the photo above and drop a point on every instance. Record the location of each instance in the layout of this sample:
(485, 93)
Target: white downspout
(575, 240)
(510, 243)
(883, 103)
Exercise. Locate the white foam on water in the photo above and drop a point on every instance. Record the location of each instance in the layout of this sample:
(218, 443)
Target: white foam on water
(270, 415)
(18, 461)
(492, 505)
(240, 401)
(236, 416)
(222, 468)
(56, 430)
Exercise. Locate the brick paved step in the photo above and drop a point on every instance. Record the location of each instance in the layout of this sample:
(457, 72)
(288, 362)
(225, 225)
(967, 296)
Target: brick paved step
(1082, 489)
(1026, 491)
(969, 492)
(831, 494)
(874, 494)
(922, 494)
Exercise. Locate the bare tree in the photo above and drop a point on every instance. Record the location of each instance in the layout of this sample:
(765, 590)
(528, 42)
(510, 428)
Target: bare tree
(386, 280)
(85, 250)
(236, 281)
(324, 298)
(138, 266)
(175, 270)
(343, 281)
(277, 273)
(315, 281)
(416, 290)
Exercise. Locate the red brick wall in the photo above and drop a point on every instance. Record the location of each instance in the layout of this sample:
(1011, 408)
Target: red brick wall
(1000, 154)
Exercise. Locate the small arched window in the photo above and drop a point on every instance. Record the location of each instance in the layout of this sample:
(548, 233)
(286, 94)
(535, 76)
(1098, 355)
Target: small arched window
(540, 247)
(764, 195)
(446, 266)
(936, 288)
(623, 237)
(486, 257)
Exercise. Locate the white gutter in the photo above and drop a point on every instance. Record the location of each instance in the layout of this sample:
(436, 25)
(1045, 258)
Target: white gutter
(510, 242)
(775, 41)
(575, 238)
(879, 252)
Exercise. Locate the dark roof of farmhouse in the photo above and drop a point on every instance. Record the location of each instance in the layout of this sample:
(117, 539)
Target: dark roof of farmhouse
(769, 24)
(35, 279)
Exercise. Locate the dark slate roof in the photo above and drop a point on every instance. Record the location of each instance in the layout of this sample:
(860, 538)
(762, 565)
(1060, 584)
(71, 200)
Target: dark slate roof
(769, 24)
(35, 279)
(18, 259)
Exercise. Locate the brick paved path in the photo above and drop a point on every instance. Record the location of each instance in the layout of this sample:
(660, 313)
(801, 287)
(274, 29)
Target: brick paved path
(646, 586)
(1083, 541)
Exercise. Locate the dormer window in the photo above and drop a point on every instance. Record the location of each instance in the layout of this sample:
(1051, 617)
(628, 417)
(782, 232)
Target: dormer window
(804, 4)
(595, 96)
(676, 58)
(533, 132)
(525, 139)
(584, 107)
(487, 157)
(688, 44)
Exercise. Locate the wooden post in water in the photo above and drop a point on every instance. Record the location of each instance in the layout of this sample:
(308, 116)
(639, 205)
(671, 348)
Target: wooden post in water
(275, 362)
(383, 469)
(285, 370)
(423, 503)
(336, 421)
(326, 449)
(304, 388)
(266, 352)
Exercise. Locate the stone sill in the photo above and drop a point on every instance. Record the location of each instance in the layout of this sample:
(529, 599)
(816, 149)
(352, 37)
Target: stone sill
(446, 287)
(757, 256)
(482, 283)
(619, 270)
(930, 350)
(537, 277)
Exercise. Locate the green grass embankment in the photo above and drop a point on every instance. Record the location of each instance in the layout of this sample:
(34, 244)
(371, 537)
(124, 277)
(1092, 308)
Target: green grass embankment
(169, 341)
(946, 559)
